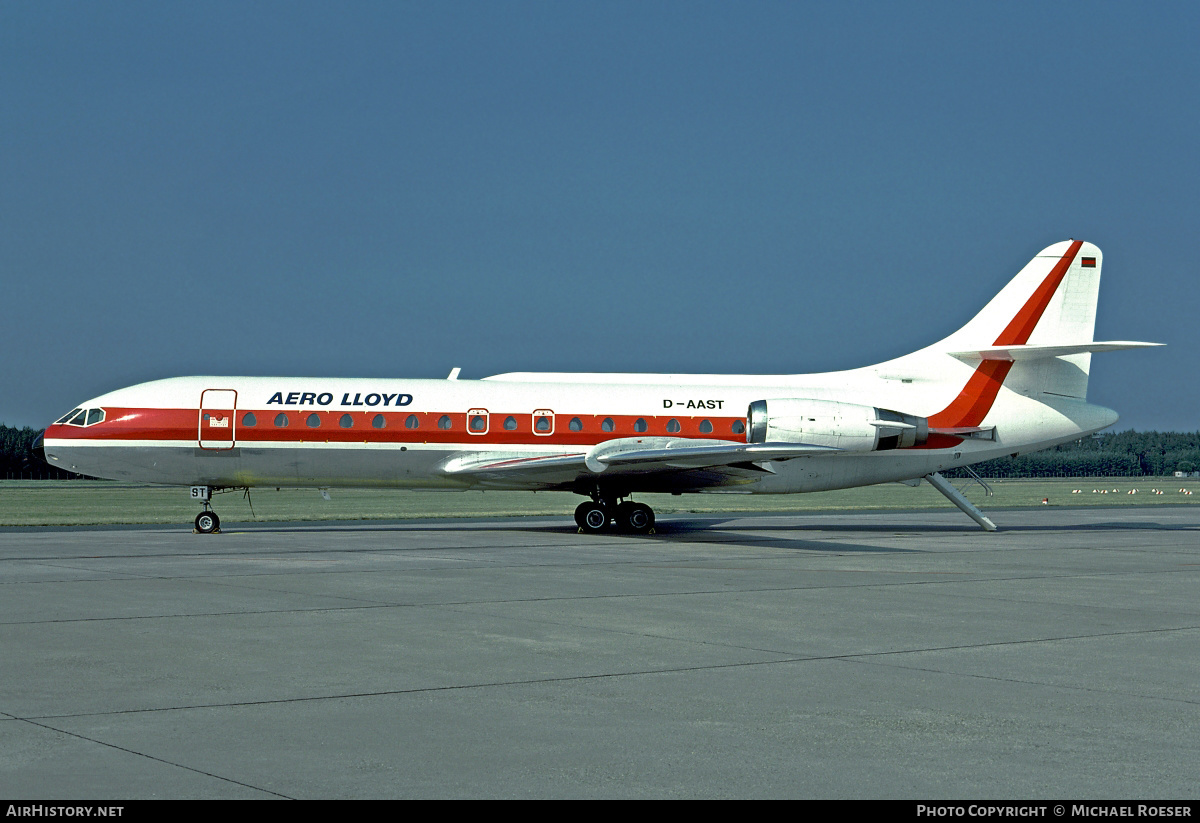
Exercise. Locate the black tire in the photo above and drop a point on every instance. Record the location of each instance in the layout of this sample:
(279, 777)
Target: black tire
(207, 522)
(637, 518)
(592, 518)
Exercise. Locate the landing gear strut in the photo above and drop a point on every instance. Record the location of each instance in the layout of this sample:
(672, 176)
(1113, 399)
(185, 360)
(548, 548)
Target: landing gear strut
(599, 514)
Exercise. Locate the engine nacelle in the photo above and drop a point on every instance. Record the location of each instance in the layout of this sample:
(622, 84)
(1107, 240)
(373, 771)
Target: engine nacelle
(847, 426)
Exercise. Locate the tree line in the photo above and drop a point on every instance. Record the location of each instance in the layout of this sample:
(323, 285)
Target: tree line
(17, 461)
(1107, 454)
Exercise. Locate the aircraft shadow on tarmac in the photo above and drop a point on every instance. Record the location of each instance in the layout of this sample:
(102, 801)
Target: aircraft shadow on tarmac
(740, 530)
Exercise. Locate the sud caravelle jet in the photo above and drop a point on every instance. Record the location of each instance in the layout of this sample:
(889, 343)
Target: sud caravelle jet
(1014, 379)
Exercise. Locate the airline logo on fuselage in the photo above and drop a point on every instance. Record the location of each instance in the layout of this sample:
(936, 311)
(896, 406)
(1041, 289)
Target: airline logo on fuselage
(312, 398)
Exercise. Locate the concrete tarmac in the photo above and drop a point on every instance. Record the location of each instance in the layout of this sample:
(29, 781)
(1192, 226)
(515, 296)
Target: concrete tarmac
(875, 655)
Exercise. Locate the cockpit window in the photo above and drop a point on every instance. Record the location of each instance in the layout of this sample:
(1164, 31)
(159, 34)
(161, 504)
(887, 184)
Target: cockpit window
(81, 417)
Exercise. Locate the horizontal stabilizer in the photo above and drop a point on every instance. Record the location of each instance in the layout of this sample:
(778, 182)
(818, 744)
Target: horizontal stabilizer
(1035, 352)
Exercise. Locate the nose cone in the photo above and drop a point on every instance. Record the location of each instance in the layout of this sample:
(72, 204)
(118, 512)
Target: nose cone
(38, 449)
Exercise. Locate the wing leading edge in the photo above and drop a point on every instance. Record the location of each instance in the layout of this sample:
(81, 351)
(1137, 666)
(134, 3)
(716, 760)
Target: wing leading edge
(628, 456)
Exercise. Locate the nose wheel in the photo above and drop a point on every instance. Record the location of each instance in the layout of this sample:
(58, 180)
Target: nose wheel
(207, 522)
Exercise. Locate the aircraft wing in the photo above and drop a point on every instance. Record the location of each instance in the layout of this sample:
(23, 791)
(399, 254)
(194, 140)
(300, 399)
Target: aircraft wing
(628, 456)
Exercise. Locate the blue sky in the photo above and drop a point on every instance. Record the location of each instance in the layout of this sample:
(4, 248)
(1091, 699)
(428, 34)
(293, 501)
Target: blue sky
(396, 189)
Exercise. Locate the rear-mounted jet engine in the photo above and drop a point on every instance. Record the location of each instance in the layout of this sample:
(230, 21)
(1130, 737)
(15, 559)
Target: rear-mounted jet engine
(846, 426)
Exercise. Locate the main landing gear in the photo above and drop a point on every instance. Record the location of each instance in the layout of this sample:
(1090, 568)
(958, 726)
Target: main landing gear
(599, 514)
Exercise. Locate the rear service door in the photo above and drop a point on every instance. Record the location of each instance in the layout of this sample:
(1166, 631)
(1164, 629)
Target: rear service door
(218, 409)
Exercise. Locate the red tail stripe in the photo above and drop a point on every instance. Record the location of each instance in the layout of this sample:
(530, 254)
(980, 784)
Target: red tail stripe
(1017, 332)
(976, 399)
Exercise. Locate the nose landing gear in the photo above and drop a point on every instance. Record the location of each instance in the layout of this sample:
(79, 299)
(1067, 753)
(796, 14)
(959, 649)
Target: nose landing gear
(207, 521)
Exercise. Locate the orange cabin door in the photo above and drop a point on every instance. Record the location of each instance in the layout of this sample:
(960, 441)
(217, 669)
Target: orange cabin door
(218, 418)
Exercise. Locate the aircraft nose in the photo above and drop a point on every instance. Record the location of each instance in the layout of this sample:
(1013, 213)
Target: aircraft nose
(38, 449)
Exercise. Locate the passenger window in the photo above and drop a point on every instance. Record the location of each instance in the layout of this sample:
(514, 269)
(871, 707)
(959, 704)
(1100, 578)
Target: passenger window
(543, 425)
(444, 422)
(313, 421)
(346, 421)
(478, 423)
(673, 425)
(248, 419)
(281, 420)
(739, 427)
(543, 421)
(608, 425)
(640, 425)
(576, 425)
(510, 423)
(411, 422)
(95, 416)
(378, 421)
(706, 427)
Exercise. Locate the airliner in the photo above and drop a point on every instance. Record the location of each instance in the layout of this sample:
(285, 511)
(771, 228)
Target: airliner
(1012, 380)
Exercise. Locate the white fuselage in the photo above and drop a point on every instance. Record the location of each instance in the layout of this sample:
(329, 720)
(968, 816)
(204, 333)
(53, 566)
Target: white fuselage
(404, 433)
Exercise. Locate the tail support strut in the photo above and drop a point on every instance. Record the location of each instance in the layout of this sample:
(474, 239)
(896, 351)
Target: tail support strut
(956, 497)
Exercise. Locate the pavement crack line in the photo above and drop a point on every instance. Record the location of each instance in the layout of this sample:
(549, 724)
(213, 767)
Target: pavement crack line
(1023, 682)
(578, 678)
(77, 736)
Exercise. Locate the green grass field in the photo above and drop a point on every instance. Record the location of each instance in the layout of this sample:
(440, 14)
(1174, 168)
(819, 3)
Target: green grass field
(83, 502)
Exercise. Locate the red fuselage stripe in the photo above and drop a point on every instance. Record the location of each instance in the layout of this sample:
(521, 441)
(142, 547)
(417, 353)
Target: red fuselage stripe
(184, 424)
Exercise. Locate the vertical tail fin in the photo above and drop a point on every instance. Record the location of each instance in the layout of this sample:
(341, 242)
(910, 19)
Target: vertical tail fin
(1035, 337)
(1050, 301)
